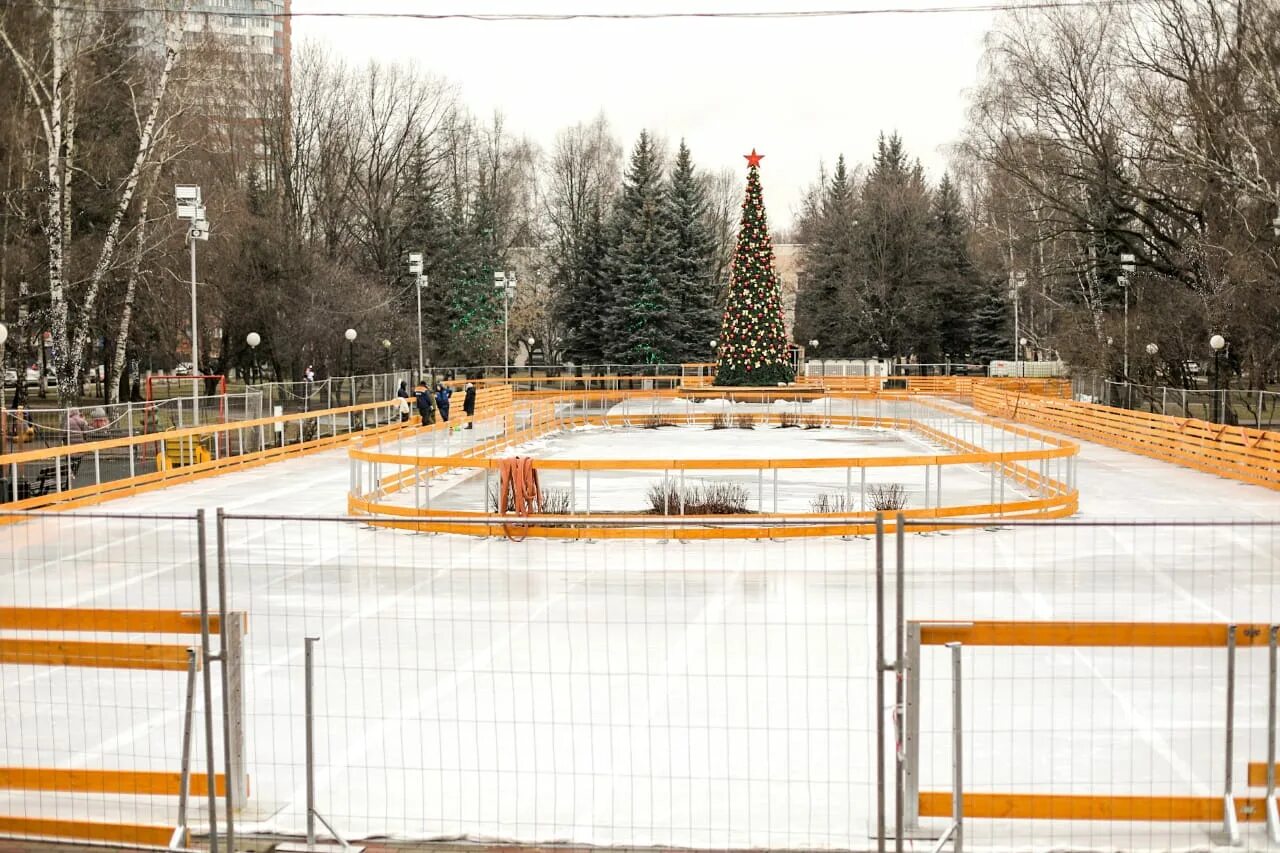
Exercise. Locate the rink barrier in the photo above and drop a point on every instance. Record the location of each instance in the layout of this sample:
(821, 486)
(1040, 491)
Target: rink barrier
(961, 386)
(1030, 468)
(1092, 807)
(215, 438)
(1235, 452)
(116, 655)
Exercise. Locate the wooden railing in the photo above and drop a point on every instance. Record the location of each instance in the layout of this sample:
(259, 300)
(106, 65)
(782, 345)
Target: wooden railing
(1239, 453)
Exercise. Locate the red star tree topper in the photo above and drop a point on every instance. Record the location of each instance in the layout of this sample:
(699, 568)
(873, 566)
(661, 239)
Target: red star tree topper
(753, 341)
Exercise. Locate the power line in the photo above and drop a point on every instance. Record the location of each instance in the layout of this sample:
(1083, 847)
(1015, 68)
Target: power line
(610, 16)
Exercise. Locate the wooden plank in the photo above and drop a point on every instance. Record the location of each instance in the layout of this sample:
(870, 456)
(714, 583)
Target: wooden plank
(1105, 634)
(135, 782)
(91, 654)
(102, 620)
(124, 833)
(1258, 774)
(1090, 807)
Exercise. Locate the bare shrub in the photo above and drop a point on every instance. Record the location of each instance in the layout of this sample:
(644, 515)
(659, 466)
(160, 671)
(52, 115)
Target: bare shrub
(655, 422)
(716, 498)
(811, 422)
(723, 420)
(831, 502)
(789, 420)
(888, 496)
(557, 502)
(744, 421)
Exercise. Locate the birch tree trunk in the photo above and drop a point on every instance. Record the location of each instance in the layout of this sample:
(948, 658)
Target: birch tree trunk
(146, 145)
(130, 290)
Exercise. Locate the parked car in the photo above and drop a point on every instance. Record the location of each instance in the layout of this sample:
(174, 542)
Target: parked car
(183, 369)
(33, 375)
(10, 377)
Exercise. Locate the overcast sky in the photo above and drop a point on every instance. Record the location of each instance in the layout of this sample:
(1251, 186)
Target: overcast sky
(799, 90)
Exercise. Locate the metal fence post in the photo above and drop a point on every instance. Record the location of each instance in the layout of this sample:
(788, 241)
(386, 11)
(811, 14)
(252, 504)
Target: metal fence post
(899, 698)
(309, 710)
(203, 578)
(881, 666)
(1229, 822)
(911, 728)
(1273, 815)
(184, 777)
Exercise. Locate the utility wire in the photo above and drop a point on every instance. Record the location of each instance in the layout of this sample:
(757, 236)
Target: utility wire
(499, 17)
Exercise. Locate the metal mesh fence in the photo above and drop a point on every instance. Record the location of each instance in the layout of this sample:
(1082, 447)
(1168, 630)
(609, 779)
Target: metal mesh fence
(1116, 682)
(97, 617)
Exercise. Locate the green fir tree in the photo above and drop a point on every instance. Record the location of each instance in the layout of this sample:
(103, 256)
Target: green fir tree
(991, 332)
(643, 315)
(830, 266)
(692, 261)
(753, 343)
(957, 287)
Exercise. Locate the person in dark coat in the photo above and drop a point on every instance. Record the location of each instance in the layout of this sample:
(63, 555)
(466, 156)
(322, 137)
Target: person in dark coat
(423, 396)
(403, 390)
(442, 400)
(469, 404)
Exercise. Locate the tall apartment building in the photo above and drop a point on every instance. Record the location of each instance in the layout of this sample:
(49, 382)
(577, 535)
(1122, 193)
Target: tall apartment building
(238, 55)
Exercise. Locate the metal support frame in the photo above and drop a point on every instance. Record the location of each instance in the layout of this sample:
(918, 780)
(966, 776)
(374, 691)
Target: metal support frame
(955, 832)
(898, 667)
(179, 838)
(313, 814)
(202, 563)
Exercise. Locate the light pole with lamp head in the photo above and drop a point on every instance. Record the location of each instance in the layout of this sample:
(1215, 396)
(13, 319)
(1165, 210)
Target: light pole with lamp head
(350, 335)
(253, 339)
(420, 281)
(1017, 279)
(1127, 265)
(813, 343)
(190, 208)
(531, 340)
(386, 354)
(4, 337)
(1216, 343)
(507, 283)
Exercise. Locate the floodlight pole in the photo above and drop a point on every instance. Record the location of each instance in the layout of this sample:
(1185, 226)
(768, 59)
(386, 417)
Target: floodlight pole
(422, 371)
(195, 338)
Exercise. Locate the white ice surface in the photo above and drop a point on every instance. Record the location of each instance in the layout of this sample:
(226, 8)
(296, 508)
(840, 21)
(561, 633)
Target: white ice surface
(714, 694)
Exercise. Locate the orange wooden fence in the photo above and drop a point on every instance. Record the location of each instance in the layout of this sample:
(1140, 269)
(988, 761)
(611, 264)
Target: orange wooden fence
(1240, 453)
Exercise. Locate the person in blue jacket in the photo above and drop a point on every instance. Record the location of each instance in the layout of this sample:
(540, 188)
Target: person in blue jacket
(442, 400)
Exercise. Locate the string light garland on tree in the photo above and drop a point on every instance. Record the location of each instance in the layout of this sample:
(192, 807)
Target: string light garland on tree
(753, 340)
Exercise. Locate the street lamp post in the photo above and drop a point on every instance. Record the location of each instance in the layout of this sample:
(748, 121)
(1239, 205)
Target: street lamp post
(507, 284)
(253, 339)
(1016, 282)
(350, 335)
(814, 345)
(190, 208)
(4, 337)
(1217, 342)
(1128, 266)
(420, 281)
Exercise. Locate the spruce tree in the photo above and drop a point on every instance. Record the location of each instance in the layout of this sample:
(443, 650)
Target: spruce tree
(957, 286)
(692, 261)
(584, 293)
(991, 331)
(642, 316)
(830, 260)
(753, 342)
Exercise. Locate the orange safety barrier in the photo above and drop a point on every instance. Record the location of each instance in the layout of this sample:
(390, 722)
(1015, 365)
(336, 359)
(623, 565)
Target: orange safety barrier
(42, 651)
(1239, 453)
(1057, 498)
(79, 496)
(1100, 807)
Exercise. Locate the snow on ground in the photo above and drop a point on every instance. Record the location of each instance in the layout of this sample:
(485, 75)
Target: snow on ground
(700, 694)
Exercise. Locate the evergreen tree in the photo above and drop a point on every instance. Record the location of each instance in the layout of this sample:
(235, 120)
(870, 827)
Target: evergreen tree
(753, 342)
(991, 331)
(585, 296)
(642, 318)
(692, 261)
(891, 313)
(956, 285)
(830, 257)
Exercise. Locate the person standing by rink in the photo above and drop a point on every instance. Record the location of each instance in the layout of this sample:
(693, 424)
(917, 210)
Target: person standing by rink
(469, 404)
(442, 400)
(425, 410)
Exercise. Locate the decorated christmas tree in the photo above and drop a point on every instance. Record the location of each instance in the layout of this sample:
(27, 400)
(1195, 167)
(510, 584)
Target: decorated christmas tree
(753, 341)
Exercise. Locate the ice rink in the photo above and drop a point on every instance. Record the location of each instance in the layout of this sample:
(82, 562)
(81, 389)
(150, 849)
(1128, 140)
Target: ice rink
(712, 694)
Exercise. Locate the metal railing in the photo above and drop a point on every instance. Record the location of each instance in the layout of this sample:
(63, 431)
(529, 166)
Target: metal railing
(1234, 406)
